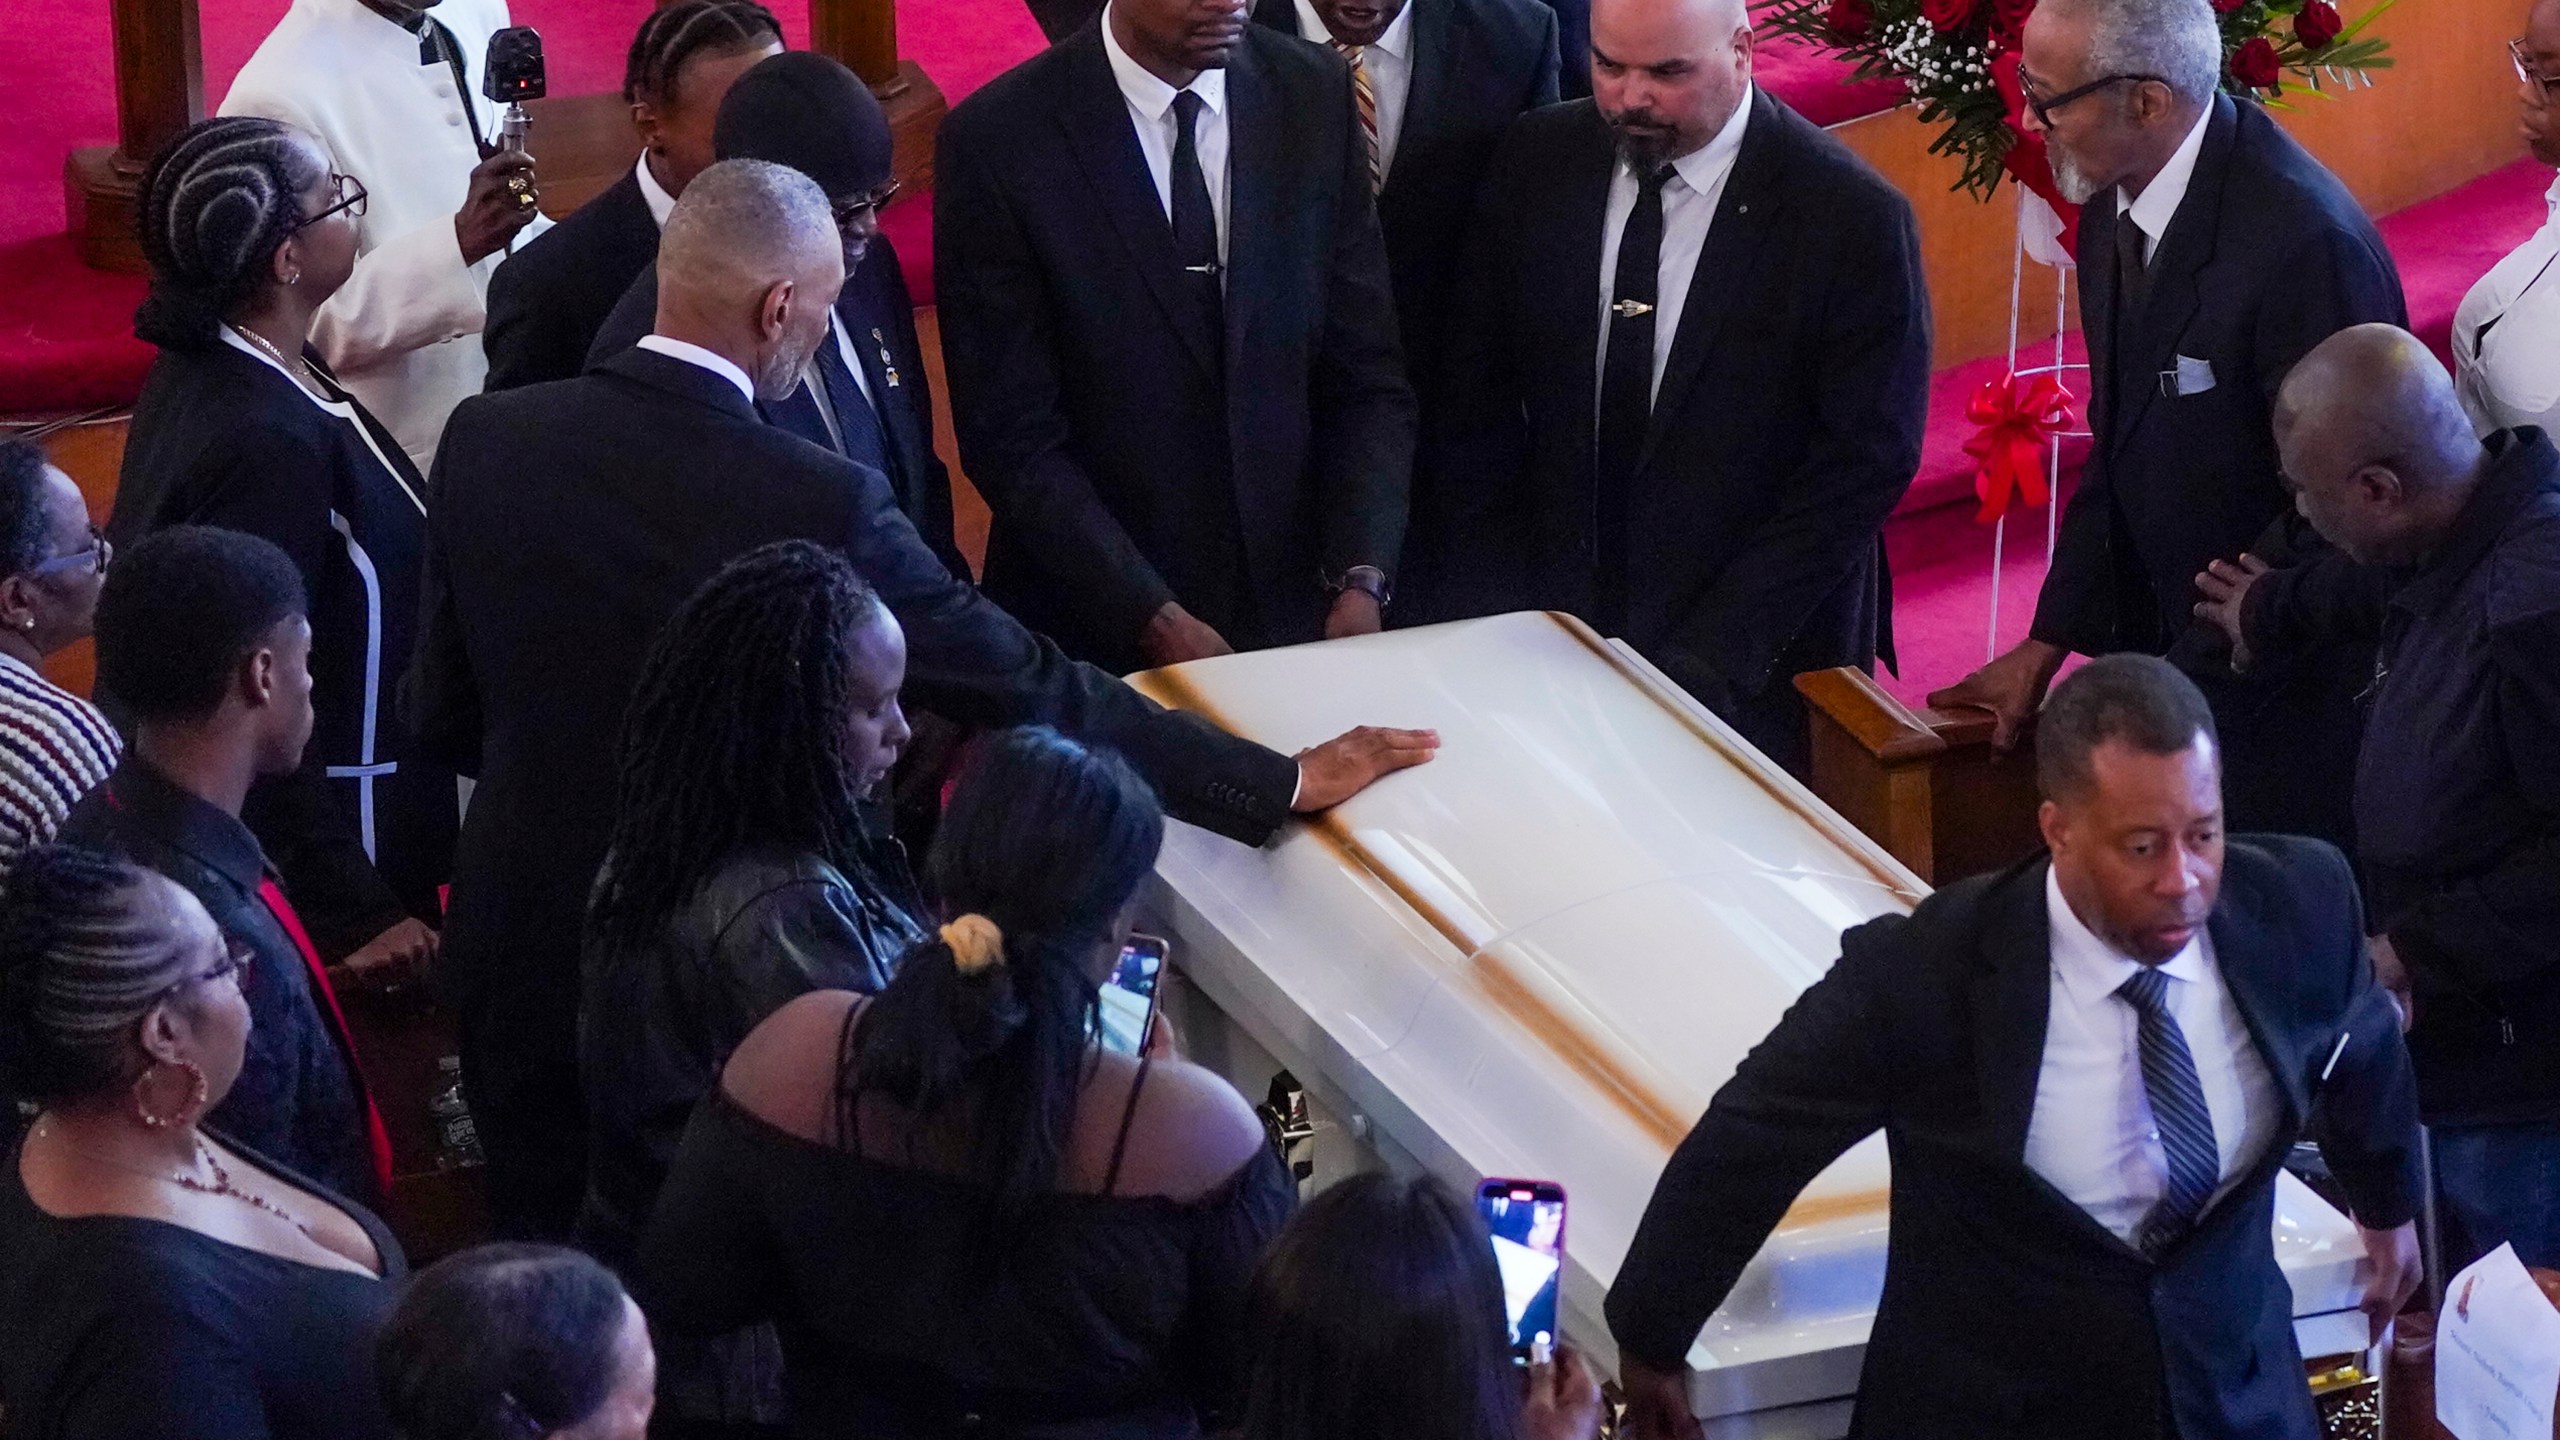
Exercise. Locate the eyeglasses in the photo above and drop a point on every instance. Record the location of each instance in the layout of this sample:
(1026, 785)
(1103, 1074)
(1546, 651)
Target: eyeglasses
(2044, 107)
(95, 554)
(2528, 69)
(853, 211)
(346, 193)
(232, 964)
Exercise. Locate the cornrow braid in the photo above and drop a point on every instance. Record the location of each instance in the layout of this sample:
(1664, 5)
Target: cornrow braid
(735, 734)
(22, 537)
(671, 36)
(82, 958)
(216, 202)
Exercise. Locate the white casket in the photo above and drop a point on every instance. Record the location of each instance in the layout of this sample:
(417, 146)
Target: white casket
(1541, 954)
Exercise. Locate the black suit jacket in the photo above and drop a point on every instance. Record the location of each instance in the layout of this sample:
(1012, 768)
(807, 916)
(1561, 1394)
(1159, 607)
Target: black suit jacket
(2007, 1310)
(569, 520)
(547, 300)
(2267, 256)
(1131, 457)
(1786, 427)
(1477, 64)
(877, 310)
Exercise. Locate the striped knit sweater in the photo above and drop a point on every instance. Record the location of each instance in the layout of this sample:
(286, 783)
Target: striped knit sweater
(54, 748)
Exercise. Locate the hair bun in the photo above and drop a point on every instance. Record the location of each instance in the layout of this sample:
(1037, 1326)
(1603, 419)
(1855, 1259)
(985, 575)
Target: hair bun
(976, 943)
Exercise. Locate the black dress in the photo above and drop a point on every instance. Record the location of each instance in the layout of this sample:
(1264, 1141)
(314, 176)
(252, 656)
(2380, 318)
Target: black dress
(119, 1328)
(1116, 1316)
(364, 832)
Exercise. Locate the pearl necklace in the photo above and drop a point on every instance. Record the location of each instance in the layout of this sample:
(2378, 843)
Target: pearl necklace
(295, 368)
(220, 1185)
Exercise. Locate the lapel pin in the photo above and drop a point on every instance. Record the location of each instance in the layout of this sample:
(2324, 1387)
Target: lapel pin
(888, 366)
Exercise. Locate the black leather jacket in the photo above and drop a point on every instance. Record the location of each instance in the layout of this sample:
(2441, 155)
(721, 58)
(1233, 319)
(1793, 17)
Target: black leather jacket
(657, 1022)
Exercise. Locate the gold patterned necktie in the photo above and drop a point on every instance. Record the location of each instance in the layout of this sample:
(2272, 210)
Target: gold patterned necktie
(1367, 101)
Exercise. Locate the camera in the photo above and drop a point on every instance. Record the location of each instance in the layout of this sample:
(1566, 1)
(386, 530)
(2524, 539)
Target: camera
(514, 73)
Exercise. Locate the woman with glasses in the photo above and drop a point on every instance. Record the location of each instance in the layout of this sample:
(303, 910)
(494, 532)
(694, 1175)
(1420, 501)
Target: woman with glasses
(54, 746)
(155, 1278)
(2506, 336)
(248, 234)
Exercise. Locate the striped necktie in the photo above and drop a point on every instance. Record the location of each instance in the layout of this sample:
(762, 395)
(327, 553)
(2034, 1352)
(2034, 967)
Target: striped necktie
(1366, 99)
(2178, 1107)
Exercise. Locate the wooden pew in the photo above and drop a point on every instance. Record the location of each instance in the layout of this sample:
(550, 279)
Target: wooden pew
(1925, 784)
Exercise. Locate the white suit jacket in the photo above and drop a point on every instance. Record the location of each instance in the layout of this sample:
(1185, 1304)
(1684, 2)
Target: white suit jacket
(404, 332)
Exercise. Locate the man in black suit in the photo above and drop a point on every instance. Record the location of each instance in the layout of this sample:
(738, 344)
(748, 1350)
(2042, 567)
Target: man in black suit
(2089, 1068)
(1696, 361)
(865, 395)
(1170, 339)
(1435, 82)
(2214, 253)
(569, 520)
(547, 299)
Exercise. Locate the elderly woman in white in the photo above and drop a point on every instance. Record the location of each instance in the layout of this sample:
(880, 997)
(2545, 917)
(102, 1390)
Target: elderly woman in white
(2506, 336)
(392, 90)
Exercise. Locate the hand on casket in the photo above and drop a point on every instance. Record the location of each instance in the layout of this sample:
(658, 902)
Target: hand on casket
(1342, 767)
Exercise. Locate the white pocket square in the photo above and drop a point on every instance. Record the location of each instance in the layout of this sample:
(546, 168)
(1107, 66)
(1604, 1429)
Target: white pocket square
(2191, 377)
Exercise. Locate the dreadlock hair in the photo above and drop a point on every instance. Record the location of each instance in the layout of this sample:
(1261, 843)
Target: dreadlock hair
(22, 537)
(677, 33)
(735, 734)
(216, 202)
(1048, 839)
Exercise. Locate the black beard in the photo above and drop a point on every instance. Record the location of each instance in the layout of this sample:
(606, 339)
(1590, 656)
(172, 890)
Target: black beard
(1643, 150)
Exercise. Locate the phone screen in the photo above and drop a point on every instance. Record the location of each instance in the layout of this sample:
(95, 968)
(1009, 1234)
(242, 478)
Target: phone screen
(1129, 995)
(1527, 1221)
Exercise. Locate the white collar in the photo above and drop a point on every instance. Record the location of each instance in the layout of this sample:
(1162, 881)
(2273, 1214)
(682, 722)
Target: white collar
(1150, 96)
(2157, 205)
(654, 195)
(1397, 39)
(1703, 167)
(2551, 197)
(2090, 968)
(692, 354)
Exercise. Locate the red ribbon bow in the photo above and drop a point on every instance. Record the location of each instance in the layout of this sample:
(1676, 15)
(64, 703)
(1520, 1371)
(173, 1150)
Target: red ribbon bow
(2019, 417)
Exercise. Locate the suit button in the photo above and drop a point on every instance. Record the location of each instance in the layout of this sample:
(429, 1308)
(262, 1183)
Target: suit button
(454, 120)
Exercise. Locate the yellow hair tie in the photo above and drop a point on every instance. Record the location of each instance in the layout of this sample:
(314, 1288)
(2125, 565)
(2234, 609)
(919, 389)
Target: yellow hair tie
(976, 943)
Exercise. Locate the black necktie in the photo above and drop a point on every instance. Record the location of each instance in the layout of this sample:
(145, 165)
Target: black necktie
(855, 419)
(2133, 268)
(1195, 220)
(1626, 394)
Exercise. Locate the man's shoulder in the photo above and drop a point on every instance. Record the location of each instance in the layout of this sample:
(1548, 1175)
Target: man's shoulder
(2293, 882)
(603, 225)
(2271, 173)
(1296, 65)
(2523, 569)
(1564, 131)
(1507, 24)
(1816, 163)
(992, 112)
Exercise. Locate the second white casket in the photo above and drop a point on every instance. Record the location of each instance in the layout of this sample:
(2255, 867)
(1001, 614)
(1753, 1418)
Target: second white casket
(1541, 954)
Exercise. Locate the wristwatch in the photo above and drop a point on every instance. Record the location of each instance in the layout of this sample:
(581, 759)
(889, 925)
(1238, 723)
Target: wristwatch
(1369, 580)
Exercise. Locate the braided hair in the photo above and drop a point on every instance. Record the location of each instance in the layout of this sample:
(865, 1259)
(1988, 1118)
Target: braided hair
(84, 955)
(22, 526)
(735, 734)
(677, 33)
(1048, 840)
(216, 202)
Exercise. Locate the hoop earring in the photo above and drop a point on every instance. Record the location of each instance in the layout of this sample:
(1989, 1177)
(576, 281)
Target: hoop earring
(196, 1091)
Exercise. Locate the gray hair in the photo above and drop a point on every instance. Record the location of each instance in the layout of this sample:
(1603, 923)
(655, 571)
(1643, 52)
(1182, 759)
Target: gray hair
(742, 226)
(2177, 40)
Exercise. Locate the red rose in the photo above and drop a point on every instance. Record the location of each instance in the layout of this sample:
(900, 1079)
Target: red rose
(2225, 7)
(2317, 25)
(1849, 20)
(2009, 21)
(2254, 65)
(1945, 16)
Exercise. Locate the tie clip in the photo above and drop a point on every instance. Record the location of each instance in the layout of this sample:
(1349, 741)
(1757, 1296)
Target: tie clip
(1212, 268)
(1630, 309)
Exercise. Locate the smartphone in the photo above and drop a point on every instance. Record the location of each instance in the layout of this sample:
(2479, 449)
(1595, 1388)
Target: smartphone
(1527, 1221)
(1128, 1012)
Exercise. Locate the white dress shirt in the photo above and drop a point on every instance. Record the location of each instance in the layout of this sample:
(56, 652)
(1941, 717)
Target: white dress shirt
(2157, 205)
(2092, 1136)
(1389, 61)
(692, 354)
(404, 332)
(654, 195)
(1151, 115)
(2511, 375)
(1689, 200)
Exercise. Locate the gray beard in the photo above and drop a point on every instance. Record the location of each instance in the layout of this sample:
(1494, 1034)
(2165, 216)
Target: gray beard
(2069, 179)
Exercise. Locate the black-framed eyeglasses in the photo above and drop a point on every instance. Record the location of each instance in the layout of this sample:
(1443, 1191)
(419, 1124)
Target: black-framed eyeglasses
(2045, 106)
(96, 554)
(234, 963)
(346, 193)
(2528, 69)
(862, 207)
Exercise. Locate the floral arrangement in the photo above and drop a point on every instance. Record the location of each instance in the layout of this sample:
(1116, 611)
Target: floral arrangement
(1959, 58)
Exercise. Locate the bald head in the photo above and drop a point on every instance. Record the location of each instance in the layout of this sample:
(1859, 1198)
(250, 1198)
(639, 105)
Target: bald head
(1668, 74)
(2375, 445)
(747, 268)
